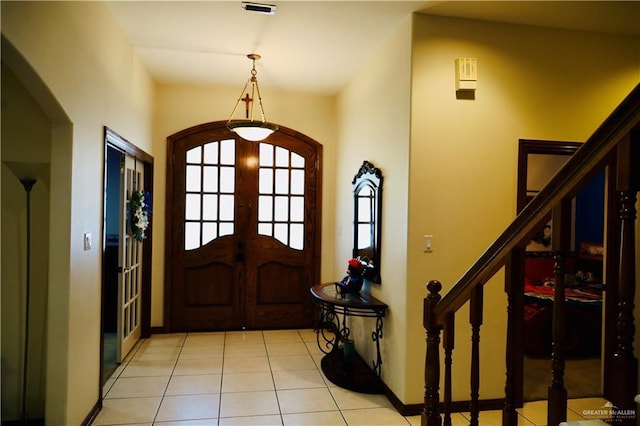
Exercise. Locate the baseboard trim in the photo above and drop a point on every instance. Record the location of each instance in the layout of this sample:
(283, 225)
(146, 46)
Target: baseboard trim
(483, 405)
(26, 422)
(158, 330)
(404, 409)
(456, 406)
(92, 414)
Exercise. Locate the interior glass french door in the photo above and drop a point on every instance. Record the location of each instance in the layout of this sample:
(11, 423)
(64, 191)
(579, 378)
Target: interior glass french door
(130, 255)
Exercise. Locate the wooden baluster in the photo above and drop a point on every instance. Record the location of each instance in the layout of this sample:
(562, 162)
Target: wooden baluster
(514, 287)
(475, 318)
(560, 240)
(447, 341)
(430, 415)
(611, 270)
(625, 365)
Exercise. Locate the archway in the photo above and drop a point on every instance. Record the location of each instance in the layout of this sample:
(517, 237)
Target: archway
(28, 106)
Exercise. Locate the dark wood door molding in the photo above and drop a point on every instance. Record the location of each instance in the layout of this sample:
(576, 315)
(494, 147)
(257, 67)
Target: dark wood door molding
(117, 142)
(515, 266)
(527, 147)
(121, 144)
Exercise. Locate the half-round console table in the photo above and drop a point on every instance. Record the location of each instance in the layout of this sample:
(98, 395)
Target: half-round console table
(343, 368)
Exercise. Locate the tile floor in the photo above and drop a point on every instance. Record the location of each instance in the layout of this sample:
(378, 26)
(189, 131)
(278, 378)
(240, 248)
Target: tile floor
(254, 378)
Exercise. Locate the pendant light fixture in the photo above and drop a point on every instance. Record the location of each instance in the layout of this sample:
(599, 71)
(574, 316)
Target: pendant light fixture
(248, 128)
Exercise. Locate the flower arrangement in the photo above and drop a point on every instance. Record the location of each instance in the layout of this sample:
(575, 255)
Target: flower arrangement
(140, 203)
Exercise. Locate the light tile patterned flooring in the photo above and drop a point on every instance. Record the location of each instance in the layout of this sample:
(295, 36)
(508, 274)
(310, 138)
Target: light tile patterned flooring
(254, 378)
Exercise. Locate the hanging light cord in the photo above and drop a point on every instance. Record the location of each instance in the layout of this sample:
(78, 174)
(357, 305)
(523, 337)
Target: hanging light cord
(253, 80)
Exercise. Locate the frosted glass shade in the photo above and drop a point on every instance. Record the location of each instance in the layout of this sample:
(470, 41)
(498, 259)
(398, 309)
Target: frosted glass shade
(252, 130)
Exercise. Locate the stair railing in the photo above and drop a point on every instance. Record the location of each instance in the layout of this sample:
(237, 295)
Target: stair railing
(615, 145)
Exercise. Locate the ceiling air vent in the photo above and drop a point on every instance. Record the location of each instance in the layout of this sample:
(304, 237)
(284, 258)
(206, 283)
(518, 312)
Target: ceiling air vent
(267, 9)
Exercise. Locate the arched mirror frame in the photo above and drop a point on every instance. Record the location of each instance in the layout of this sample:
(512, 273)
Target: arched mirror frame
(367, 214)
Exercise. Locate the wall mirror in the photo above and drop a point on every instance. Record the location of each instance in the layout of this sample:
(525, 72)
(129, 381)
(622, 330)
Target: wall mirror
(367, 221)
(538, 162)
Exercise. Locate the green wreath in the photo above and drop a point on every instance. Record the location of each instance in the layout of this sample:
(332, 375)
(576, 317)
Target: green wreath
(140, 211)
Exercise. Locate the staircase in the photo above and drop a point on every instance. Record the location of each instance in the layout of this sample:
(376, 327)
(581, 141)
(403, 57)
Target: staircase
(615, 148)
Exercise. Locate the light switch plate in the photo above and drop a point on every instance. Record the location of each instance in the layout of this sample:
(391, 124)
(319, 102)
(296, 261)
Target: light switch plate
(428, 243)
(87, 241)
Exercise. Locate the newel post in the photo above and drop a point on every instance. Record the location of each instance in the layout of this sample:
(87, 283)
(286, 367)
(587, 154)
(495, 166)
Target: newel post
(430, 414)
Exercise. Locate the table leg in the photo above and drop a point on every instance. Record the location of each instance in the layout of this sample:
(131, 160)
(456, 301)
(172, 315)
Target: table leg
(376, 336)
(327, 332)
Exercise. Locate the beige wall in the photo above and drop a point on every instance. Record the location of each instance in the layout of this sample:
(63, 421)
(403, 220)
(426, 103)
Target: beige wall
(79, 54)
(181, 107)
(374, 126)
(533, 83)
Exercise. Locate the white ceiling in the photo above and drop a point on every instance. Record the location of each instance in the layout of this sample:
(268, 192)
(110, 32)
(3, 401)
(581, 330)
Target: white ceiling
(315, 46)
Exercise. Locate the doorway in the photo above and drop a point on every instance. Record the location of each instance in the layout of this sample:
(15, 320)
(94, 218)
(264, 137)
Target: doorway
(243, 244)
(538, 162)
(126, 261)
(110, 262)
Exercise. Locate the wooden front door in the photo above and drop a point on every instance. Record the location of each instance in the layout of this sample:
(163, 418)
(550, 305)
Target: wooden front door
(243, 229)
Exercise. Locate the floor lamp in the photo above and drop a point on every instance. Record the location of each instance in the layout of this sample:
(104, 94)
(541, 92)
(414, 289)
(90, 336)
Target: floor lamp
(28, 184)
(27, 174)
